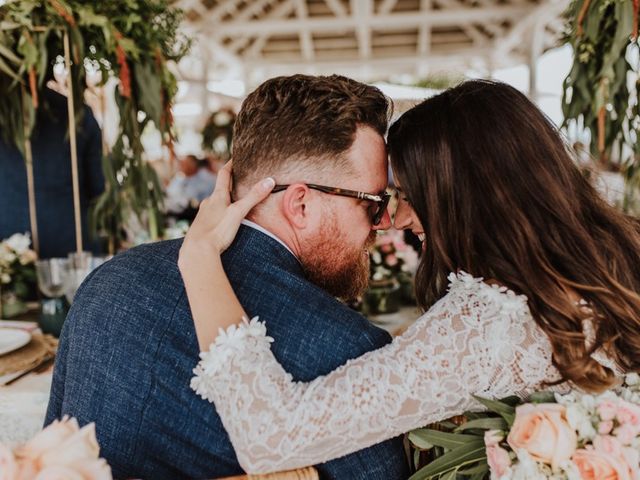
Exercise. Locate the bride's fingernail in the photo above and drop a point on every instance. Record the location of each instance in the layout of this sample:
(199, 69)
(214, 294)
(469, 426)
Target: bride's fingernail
(268, 183)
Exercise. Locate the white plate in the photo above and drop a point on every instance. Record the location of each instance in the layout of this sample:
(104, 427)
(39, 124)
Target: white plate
(12, 339)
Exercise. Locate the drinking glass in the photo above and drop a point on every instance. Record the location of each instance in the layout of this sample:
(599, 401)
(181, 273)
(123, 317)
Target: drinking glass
(53, 274)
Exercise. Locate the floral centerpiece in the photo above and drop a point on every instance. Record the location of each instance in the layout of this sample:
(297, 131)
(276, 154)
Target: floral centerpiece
(63, 450)
(392, 266)
(553, 436)
(17, 274)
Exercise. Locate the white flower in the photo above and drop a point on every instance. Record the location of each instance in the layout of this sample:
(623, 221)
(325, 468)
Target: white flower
(589, 403)
(8, 257)
(565, 399)
(19, 242)
(570, 471)
(5, 278)
(28, 257)
(526, 468)
(222, 118)
(632, 379)
(580, 419)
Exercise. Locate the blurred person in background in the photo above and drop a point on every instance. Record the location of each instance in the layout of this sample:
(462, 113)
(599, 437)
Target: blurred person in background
(192, 184)
(52, 178)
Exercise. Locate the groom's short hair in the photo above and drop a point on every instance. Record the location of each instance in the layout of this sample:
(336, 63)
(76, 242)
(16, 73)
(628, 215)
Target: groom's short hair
(302, 123)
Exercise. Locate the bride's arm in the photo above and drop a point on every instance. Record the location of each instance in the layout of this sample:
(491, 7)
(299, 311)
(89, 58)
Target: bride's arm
(430, 373)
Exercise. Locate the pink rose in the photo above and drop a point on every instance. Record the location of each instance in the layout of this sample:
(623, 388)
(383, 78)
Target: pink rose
(608, 444)
(78, 448)
(632, 458)
(626, 433)
(58, 472)
(542, 431)
(8, 464)
(27, 469)
(94, 469)
(628, 414)
(605, 427)
(49, 438)
(598, 465)
(497, 457)
(625, 456)
(392, 260)
(607, 410)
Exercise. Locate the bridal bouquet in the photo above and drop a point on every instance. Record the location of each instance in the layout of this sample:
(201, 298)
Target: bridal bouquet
(17, 273)
(62, 451)
(573, 436)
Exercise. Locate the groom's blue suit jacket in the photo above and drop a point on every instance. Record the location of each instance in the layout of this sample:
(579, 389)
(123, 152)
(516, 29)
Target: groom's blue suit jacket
(128, 348)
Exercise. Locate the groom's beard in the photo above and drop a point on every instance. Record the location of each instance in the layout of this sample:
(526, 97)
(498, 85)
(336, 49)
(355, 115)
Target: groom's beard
(329, 263)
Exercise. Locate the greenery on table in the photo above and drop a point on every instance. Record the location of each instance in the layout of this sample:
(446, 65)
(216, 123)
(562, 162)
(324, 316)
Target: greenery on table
(597, 93)
(17, 274)
(132, 40)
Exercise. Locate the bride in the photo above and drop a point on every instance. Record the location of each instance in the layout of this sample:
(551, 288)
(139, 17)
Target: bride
(527, 278)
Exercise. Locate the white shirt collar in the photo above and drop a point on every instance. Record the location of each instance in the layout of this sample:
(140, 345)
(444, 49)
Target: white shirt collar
(255, 226)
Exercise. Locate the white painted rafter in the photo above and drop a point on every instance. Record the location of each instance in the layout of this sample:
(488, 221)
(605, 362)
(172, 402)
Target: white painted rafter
(372, 36)
(380, 22)
(306, 41)
(362, 11)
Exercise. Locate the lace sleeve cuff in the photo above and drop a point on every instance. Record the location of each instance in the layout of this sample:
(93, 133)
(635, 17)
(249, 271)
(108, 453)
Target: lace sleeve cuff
(249, 335)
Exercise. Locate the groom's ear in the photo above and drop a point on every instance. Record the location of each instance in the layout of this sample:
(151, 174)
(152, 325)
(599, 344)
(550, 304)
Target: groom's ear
(296, 203)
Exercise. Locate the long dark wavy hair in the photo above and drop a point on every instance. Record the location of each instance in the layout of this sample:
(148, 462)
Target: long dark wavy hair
(499, 197)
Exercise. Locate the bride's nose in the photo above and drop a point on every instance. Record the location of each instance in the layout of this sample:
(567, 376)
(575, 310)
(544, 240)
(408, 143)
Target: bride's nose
(403, 218)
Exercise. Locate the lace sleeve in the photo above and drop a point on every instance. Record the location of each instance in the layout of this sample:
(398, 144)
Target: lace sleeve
(476, 340)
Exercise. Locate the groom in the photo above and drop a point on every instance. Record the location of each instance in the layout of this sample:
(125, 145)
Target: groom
(128, 345)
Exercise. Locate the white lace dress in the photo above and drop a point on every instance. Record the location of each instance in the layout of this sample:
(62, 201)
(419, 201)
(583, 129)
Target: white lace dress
(478, 339)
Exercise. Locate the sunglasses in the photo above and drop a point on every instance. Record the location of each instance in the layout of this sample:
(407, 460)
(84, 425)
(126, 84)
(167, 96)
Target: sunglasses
(380, 200)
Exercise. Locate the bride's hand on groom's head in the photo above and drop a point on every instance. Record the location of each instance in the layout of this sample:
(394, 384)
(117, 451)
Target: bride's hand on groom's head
(218, 219)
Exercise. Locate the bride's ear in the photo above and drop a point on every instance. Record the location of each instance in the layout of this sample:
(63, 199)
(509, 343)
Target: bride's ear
(297, 205)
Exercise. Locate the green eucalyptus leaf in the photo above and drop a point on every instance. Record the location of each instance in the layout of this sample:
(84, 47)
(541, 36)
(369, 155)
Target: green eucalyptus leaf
(493, 423)
(451, 475)
(505, 410)
(482, 468)
(88, 17)
(466, 455)
(543, 397)
(445, 440)
(416, 459)
(9, 54)
(4, 67)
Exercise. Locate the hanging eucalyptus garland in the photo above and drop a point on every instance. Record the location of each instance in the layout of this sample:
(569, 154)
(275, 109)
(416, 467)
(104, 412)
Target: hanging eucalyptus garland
(601, 90)
(132, 40)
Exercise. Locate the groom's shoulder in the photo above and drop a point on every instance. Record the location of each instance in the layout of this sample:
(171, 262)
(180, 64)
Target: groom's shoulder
(144, 271)
(147, 259)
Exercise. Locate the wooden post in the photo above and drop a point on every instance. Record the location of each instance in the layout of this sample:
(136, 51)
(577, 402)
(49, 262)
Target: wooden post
(28, 161)
(73, 145)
